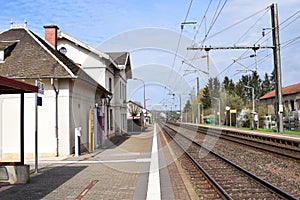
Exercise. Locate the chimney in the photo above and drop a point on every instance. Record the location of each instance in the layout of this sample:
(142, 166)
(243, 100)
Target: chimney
(51, 34)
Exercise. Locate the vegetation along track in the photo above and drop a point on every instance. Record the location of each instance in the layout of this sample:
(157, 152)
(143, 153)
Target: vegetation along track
(232, 181)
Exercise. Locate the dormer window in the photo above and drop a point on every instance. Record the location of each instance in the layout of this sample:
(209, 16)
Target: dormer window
(1, 55)
(6, 48)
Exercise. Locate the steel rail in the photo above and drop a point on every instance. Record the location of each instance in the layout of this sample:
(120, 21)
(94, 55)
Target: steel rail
(215, 184)
(268, 185)
(228, 138)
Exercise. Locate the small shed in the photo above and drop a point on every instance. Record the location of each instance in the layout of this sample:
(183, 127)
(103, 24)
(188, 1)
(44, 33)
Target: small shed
(10, 86)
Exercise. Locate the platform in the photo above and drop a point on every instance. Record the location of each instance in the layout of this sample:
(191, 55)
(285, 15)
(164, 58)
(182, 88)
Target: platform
(139, 167)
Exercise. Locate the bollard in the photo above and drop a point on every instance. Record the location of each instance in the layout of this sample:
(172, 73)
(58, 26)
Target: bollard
(77, 141)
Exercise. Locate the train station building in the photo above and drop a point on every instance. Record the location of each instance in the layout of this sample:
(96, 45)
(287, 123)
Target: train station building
(69, 95)
(291, 103)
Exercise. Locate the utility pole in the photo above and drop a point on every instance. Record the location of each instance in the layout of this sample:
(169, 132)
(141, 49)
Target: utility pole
(198, 87)
(277, 67)
(180, 108)
(198, 100)
(276, 58)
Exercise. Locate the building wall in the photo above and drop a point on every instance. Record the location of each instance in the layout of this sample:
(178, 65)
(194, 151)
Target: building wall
(92, 64)
(64, 117)
(75, 99)
(46, 130)
(82, 100)
(96, 68)
(110, 86)
(10, 127)
(120, 101)
(108, 76)
(290, 103)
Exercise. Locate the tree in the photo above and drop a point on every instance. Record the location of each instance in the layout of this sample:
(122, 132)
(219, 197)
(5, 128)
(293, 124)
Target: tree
(187, 106)
(211, 90)
(216, 88)
(232, 100)
(255, 82)
(228, 84)
(266, 85)
(261, 110)
(133, 109)
(240, 88)
(206, 99)
(272, 80)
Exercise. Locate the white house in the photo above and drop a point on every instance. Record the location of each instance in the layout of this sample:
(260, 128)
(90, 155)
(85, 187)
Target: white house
(111, 70)
(69, 95)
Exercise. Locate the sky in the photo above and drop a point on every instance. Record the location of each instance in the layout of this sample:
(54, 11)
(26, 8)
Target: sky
(151, 31)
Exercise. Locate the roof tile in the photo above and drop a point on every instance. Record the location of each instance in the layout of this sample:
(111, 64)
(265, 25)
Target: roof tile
(30, 59)
(291, 89)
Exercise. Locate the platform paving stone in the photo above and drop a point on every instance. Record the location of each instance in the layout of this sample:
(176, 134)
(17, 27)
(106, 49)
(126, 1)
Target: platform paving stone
(118, 172)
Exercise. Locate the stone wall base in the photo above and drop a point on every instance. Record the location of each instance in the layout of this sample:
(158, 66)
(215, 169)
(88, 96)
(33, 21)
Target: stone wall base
(14, 174)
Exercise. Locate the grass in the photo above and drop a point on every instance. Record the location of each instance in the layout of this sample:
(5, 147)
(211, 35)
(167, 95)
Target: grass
(285, 131)
(260, 129)
(291, 132)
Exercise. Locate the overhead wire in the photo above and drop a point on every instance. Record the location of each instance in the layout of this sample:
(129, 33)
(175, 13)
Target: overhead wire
(239, 22)
(213, 21)
(281, 28)
(207, 36)
(178, 43)
(235, 24)
(293, 15)
(251, 27)
(290, 42)
(194, 39)
(196, 33)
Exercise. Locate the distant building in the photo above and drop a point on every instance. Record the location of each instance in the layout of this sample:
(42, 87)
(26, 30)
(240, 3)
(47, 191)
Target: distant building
(69, 94)
(134, 110)
(290, 99)
(135, 117)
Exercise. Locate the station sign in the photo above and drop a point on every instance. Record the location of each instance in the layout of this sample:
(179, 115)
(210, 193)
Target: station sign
(39, 101)
(40, 86)
(233, 111)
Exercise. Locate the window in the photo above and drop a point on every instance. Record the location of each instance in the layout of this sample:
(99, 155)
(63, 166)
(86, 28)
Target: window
(124, 92)
(111, 119)
(120, 90)
(298, 104)
(292, 105)
(1, 56)
(286, 104)
(110, 84)
(63, 50)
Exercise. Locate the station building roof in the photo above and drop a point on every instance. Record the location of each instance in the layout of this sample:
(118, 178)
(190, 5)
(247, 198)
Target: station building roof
(288, 90)
(10, 86)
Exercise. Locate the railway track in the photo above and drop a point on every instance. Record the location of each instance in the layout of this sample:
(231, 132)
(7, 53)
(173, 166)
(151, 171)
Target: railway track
(286, 150)
(229, 180)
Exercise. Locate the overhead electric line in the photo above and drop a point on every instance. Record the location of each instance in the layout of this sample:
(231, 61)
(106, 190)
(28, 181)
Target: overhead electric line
(214, 19)
(179, 40)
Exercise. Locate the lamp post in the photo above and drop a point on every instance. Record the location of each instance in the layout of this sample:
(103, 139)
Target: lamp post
(219, 110)
(253, 105)
(144, 91)
(252, 90)
(138, 79)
